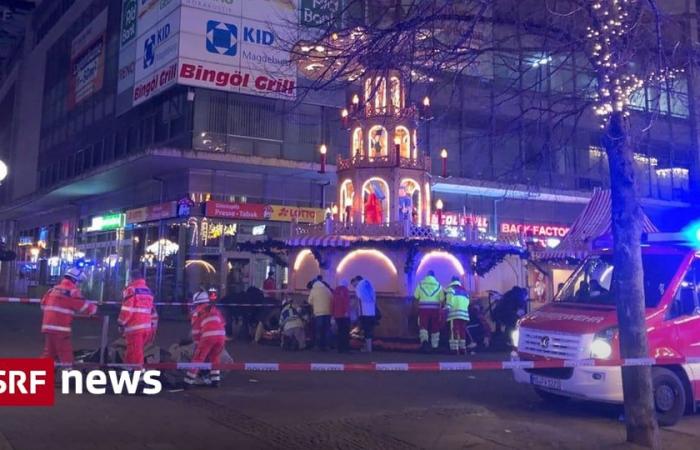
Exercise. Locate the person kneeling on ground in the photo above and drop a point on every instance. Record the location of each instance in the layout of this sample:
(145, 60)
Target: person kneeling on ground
(291, 326)
(209, 336)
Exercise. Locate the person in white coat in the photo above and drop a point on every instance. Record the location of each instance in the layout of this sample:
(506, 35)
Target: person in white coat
(366, 308)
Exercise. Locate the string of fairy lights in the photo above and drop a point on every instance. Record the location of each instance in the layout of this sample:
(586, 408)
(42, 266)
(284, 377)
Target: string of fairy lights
(607, 34)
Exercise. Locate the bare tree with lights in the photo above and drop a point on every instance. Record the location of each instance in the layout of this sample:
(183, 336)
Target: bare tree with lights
(442, 40)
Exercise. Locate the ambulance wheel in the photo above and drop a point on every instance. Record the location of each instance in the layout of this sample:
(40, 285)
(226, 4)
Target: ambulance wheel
(669, 396)
(551, 398)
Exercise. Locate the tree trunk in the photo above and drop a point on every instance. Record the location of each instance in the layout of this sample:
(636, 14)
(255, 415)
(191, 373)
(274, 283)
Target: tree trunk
(628, 288)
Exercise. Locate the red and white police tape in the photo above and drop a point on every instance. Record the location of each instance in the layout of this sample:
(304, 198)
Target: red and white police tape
(27, 300)
(449, 366)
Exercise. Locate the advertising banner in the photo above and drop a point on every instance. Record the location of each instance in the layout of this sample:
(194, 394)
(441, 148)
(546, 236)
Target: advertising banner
(128, 22)
(323, 14)
(156, 56)
(150, 12)
(152, 212)
(87, 61)
(247, 53)
(252, 211)
(127, 55)
(230, 45)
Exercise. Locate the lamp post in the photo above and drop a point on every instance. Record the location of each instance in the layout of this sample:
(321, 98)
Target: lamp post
(443, 155)
(323, 150)
(438, 208)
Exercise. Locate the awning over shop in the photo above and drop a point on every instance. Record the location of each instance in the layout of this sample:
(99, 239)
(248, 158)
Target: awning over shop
(594, 221)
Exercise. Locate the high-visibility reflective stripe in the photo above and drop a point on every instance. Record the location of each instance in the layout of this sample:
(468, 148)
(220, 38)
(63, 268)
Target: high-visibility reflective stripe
(428, 305)
(58, 309)
(214, 333)
(211, 319)
(55, 328)
(132, 309)
(144, 326)
(85, 307)
(437, 289)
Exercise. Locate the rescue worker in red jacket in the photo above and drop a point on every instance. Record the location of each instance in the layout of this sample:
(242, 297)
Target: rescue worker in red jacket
(135, 317)
(59, 305)
(209, 335)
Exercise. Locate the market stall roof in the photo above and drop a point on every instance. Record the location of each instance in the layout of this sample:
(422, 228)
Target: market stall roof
(325, 240)
(593, 222)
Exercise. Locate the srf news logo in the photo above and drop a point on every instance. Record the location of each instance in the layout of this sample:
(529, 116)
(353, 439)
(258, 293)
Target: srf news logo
(30, 382)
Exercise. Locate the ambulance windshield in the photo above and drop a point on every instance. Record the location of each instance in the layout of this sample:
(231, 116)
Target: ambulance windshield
(591, 283)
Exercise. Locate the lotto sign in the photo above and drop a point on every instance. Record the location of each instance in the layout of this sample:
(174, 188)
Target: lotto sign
(26, 382)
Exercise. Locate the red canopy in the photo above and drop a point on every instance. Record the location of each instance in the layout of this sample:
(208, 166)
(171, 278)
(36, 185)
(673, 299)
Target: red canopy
(593, 222)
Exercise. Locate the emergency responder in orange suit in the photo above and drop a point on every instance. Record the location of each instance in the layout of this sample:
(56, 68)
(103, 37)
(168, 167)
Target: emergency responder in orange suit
(59, 305)
(135, 317)
(208, 334)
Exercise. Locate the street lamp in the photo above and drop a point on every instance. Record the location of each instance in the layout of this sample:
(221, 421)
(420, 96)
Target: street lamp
(443, 155)
(344, 119)
(323, 150)
(355, 103)
(3, 171)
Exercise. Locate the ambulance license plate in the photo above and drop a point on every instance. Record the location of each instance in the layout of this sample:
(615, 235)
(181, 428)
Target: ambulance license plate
(549, 383)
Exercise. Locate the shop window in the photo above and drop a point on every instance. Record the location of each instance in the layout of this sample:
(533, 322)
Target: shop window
(375, 199)
(506, 68)
(378, 145)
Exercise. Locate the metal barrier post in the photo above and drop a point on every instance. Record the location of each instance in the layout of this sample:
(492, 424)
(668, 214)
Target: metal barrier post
(103, 338)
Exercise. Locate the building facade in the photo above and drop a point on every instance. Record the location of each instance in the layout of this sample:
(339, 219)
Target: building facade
(114, 160)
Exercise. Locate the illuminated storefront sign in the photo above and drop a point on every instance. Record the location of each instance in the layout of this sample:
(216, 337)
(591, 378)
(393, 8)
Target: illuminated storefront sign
(454, 220)
(253, 211)
(152, 212)
(106, 222)
(536, 230)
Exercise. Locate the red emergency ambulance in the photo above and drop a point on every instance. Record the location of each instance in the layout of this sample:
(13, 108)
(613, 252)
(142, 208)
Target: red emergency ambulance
(581, 324)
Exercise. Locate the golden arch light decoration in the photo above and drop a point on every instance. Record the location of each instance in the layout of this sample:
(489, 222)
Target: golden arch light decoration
(300, 258)
(366, 252)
